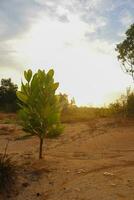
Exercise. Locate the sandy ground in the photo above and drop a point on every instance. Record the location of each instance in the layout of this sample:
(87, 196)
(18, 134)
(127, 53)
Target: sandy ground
(89, 161)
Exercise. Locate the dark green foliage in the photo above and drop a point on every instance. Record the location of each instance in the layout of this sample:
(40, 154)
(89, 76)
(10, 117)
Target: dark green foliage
(8, 98)
(7, 174)
(40, 108)
(125, 51)
(130, 103)
(116, 108)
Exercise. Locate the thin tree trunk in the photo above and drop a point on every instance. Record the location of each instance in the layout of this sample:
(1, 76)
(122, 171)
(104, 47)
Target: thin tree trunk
(41, 145)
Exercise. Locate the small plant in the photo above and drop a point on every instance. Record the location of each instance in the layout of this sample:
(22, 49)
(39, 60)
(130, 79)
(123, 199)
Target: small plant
(40, 109)
(7, 173)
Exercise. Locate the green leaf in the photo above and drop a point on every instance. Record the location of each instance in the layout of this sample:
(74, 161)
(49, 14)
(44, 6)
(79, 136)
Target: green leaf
(50, 73)
(55, 86)
(24, 88)
(34, 82)
(21, 96)
(28, 75)
(41, 76)
(25, 74)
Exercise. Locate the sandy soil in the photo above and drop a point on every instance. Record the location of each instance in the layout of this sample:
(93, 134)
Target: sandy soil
(90, 161)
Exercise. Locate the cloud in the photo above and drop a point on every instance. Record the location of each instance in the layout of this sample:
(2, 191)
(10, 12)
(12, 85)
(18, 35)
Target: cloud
(127, 18)
(76, 36)
(106, 20)
(63, 18)
(16, 20)
(6, 55)
(16, 17)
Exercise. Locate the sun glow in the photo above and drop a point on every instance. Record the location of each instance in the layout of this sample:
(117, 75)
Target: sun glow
(47, 37)
(84, 69)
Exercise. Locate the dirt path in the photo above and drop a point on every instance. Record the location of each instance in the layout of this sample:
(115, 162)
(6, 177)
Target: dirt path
(90, 161)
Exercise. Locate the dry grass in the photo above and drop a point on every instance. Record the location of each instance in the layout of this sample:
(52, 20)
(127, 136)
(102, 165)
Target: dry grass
(7, 173)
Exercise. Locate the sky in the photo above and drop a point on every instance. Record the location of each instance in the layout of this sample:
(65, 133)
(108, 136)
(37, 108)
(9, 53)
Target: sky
(77, 38)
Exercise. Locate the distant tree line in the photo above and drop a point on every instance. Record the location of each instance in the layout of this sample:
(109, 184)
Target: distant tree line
(8, 98)
(10, 103)
(124, 105)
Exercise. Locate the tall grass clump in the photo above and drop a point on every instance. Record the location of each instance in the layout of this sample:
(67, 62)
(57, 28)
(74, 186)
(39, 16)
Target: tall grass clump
(7, 173)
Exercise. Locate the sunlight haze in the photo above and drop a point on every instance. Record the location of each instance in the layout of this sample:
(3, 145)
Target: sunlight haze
(77, 38)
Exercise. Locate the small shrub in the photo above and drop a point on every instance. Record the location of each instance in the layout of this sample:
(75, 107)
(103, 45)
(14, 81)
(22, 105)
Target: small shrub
(40, 107)
(7, 173)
